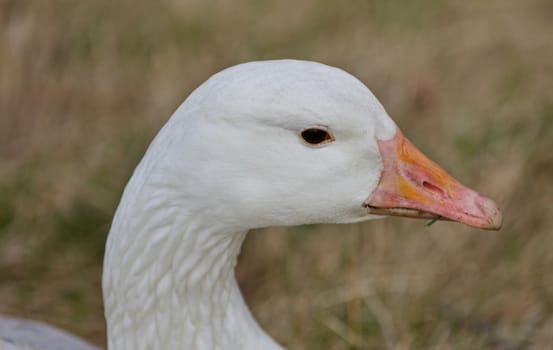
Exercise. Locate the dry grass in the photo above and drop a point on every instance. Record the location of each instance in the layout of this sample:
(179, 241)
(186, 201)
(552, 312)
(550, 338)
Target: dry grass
(85, 85)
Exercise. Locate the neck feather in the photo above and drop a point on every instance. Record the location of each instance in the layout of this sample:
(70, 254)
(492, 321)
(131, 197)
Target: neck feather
(169, 279)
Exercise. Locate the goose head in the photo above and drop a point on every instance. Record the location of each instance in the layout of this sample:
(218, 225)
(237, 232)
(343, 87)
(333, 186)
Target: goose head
(273, 143)
(292, 142)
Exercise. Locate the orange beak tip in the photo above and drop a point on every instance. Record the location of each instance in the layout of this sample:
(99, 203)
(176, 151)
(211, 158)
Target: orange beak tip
(411, 185)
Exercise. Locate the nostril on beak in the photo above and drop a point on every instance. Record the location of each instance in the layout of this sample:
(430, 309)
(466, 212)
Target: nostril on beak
(433, 188)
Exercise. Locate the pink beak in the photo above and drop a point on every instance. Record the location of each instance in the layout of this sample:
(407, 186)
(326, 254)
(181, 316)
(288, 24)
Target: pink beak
(412, 185)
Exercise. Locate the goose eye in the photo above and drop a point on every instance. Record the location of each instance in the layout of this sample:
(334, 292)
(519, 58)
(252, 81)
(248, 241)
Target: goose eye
(317, 135)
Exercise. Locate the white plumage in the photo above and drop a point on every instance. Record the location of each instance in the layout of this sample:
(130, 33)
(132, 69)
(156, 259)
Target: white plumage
(231, 159)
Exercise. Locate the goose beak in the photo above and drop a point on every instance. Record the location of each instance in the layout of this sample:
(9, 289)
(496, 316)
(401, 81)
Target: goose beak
(411, 185)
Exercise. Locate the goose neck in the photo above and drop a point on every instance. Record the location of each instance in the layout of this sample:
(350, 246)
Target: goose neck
(169, 283)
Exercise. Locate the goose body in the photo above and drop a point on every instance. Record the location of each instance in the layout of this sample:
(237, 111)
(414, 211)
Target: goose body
(271, 143)
(17, 334)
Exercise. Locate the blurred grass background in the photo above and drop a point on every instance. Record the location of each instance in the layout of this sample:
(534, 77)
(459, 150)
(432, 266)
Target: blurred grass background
(85, 85)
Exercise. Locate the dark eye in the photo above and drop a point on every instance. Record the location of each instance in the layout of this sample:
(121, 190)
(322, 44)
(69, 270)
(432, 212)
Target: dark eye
(316, 135)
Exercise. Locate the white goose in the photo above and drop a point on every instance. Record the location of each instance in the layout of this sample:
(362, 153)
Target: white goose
(259, 144)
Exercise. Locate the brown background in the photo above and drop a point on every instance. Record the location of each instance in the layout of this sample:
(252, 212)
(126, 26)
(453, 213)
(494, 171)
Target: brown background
(84, 86)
